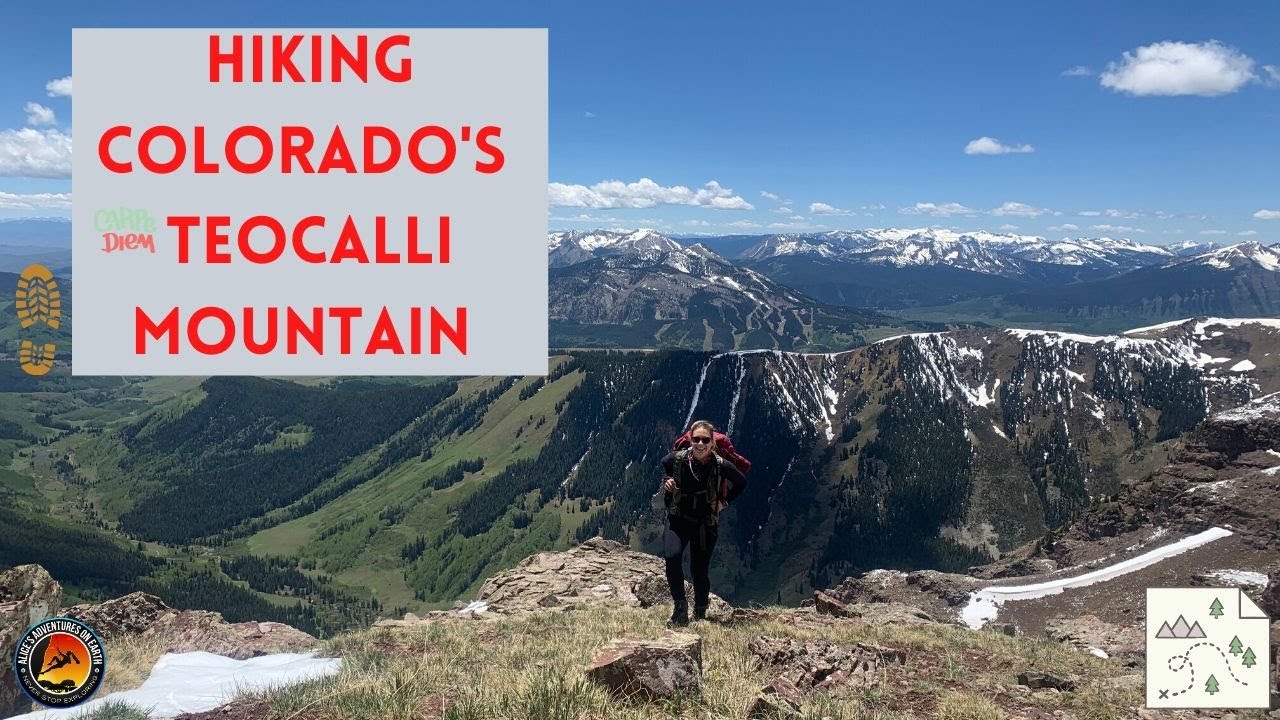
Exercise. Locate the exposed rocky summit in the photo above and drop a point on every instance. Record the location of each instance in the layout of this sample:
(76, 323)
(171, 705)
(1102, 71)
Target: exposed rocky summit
(189, 630)
(598, 571)
(28, 594)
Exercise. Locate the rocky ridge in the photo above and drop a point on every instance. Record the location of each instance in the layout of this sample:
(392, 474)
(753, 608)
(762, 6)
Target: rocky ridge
(142, 615)
(28, 594)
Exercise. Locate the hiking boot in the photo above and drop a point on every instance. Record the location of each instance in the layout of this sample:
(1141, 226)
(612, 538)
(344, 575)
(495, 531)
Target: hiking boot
(36, 298)
(699, 613)
(679, 617)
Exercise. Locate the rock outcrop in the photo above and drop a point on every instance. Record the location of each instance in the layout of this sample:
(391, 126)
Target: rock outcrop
(666, 668)
(598, 571)
(881, 613)
(799, 667)
(189, 630)
(1125, 643)
(935, 594)
(28, 594)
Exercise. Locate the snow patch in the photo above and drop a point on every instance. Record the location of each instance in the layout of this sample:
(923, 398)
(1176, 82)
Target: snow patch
(1243, 366)
(984, 605)
(196, 682)
(475, 607)
(697, 390)
(1241, 577)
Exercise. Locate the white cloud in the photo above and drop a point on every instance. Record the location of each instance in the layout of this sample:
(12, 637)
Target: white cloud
(1247, 233)
(1123, 214)
(770, 196)
(991, 146)
(1068, 227)
(1077, 71)
(794, 225)
(943, 210)
(585, 218)
(1017, 209)
(744, 224)
(1207, 69)
(875, 206)
(35, 153)
(37, 201)
(1273, 75)
(588, 114)
(1089, 213)
(644, 193)
(1008, 228)
(1267, 215)
(59, 88)
(784, 210)
(821, 208)
(38, 114)
(696, 223)
(1213, 232)
(1117, 228)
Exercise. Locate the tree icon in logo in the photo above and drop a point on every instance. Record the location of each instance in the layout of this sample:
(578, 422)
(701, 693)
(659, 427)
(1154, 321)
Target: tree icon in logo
(1216, 608)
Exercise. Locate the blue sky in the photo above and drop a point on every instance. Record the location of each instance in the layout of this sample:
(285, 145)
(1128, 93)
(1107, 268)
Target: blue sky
(1155, 121)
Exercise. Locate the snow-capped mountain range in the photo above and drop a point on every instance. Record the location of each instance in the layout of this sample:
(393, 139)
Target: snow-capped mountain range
(575, 246)
(990, 253)
(1242, 255)
(1004, 254)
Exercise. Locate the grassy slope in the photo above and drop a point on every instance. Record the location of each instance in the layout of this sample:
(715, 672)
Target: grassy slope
(532, 667)
(367, 553)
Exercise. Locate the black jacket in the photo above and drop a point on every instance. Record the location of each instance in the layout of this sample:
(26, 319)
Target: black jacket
(692, 475)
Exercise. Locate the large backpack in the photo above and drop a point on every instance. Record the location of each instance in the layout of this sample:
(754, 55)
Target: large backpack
(698, 506)
(724, 448)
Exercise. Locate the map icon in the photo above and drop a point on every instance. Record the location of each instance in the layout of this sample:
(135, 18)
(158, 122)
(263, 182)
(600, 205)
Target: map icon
(1206, 648)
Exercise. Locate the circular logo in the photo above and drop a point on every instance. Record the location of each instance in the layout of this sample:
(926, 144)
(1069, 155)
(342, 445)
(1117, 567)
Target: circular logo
(60, 662)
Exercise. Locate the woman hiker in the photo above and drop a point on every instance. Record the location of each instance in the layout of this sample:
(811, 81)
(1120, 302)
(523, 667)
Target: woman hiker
(697, 485)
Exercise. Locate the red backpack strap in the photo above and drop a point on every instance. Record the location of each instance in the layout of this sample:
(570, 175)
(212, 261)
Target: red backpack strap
(683, 441)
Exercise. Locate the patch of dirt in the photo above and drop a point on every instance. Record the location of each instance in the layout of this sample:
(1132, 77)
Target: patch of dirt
(435, 705)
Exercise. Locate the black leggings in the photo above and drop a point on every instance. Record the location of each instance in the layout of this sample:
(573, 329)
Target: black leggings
(701, 539)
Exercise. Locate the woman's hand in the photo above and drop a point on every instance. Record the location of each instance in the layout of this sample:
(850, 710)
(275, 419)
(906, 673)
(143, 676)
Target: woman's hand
(721, 505)
(669, 484)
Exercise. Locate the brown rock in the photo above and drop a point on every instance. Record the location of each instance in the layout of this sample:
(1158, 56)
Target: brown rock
(827, 605)
(1037, 680)
(650, 669)
(779, 699)
(128, 615)
(28, 594)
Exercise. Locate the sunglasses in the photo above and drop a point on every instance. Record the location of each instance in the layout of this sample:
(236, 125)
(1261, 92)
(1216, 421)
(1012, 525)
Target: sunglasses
(700, 439)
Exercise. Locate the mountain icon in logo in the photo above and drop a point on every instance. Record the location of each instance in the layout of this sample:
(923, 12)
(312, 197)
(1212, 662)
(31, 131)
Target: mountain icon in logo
(1180, 630)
